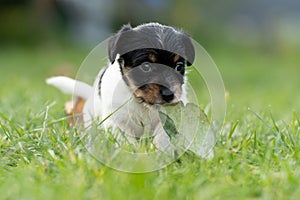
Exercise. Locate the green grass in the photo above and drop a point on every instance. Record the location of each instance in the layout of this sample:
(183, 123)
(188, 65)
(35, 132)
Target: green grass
(257, 156)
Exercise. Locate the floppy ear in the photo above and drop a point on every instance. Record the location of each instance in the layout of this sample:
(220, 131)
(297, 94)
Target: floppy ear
(113, 42)
(188, 48)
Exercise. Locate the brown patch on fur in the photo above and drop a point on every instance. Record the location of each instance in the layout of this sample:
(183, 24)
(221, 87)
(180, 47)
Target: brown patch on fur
(176, 58)
(74, 111)
(152, 57)
(126, 70)
(178, 90)
(150, 95)
(128, 79)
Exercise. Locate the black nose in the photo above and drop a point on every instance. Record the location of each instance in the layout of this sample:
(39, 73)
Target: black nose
(166, 94)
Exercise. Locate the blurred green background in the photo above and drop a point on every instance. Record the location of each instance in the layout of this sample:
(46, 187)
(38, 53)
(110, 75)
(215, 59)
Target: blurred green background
(255, 44)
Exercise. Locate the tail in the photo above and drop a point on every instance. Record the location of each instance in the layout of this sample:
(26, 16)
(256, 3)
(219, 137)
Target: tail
(71, 86)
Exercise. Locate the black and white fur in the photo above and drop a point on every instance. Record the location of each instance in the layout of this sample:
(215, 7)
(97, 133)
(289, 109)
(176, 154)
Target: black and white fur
(134, 52)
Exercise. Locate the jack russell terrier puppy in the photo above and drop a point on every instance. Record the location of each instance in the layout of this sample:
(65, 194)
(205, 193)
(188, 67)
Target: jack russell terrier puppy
(146, 71)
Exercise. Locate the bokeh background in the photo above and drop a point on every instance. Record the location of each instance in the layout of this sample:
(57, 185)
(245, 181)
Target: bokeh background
(255, 44)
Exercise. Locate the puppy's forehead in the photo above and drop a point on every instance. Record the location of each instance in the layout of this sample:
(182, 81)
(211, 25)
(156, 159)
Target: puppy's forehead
(153, 36)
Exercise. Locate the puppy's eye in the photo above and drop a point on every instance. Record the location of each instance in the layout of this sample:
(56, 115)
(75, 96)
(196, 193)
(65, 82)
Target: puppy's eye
(146, 67)
(179, 67)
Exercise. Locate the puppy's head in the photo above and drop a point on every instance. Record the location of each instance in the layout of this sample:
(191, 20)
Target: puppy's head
(152, 61)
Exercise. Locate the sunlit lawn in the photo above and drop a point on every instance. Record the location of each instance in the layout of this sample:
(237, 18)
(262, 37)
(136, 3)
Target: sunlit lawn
(257, 156)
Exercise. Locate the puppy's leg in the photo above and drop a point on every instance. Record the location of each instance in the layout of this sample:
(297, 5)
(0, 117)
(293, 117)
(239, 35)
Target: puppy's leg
(74, 111)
